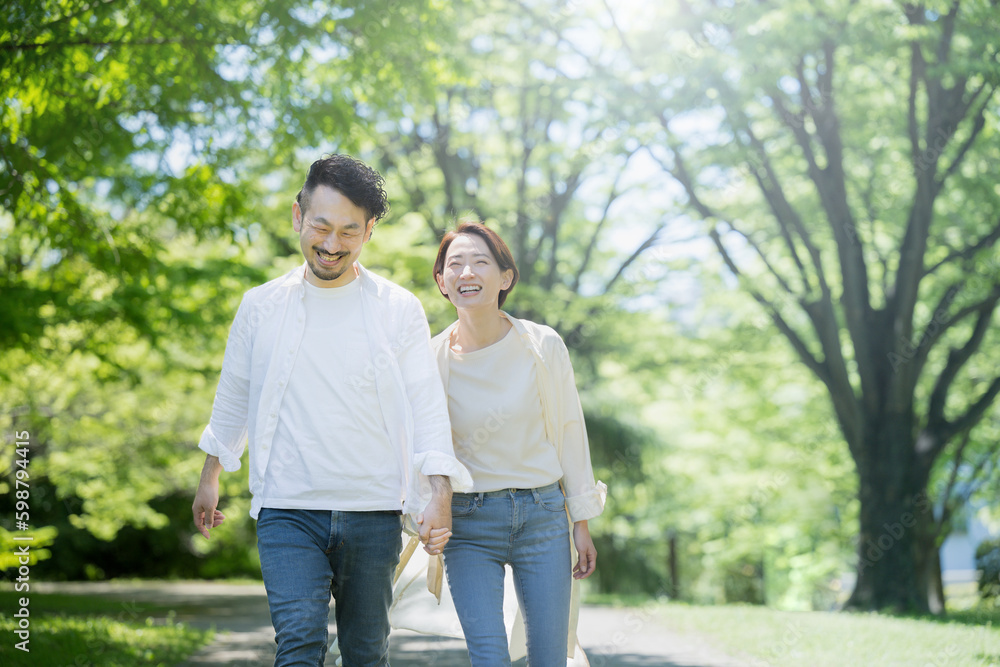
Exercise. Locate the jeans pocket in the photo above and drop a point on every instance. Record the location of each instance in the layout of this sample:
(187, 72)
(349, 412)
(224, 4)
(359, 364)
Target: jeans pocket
(553, 501)
(462, 505)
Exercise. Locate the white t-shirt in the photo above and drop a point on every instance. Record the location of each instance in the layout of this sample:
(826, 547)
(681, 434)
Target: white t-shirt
(496, 418)
(331, 447)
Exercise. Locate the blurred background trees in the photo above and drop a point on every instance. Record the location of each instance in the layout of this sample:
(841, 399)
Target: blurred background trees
(650, 166)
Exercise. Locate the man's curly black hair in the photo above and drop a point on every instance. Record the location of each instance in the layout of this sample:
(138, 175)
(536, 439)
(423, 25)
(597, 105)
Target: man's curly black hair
(364, 186)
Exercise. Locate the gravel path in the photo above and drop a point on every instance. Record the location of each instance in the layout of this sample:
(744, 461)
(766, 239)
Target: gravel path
(612, 637)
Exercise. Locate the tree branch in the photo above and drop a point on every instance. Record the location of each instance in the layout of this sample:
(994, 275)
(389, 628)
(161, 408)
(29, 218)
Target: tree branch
(787, 217)
(917, 72)
(442, 134)
(613, 195)
(938, 325)
(67, 17)
(957, 358)
(31, 46)
(831, 186)
(967, 253)
(645, 245)
(948, 509)
(844, 405)
(975, 412)
(977, 127)
(833, 371)
(557, 206)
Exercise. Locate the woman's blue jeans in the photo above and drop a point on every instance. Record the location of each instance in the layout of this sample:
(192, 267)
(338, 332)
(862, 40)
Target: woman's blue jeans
(307, 556)
(527, 529)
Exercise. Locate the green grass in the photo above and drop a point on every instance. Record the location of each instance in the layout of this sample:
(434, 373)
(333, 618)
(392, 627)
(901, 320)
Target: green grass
(81, 630)
(767, 637)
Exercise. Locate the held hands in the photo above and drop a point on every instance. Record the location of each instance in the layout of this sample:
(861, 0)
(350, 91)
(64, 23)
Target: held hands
(435, 538)
(587, 562)
(435, 520)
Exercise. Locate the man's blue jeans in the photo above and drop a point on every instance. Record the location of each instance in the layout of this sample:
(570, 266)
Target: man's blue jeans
(308, 555)
(528, 529)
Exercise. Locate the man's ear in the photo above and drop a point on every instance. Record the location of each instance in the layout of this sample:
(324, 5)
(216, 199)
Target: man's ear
(369, 229)
(296, 217)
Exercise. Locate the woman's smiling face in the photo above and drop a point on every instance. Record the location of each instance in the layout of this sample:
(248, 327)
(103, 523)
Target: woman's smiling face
(471, 277)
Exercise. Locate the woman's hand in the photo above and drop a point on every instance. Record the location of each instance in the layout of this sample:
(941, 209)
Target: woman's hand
(587, 562)
(435, 520)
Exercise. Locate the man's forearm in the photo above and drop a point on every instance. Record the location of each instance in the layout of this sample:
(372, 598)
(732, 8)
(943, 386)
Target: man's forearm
(440, 487)
(211, 470)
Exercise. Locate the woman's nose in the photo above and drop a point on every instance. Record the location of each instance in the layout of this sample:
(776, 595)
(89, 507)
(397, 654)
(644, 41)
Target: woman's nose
(466, 271)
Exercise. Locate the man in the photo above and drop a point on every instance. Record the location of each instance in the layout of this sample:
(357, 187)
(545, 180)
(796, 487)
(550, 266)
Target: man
(329, 370)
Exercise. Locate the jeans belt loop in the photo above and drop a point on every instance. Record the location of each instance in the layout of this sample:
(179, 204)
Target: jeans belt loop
(534, 494)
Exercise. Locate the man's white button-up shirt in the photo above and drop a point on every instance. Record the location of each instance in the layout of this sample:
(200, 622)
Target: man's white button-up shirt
(260, 354)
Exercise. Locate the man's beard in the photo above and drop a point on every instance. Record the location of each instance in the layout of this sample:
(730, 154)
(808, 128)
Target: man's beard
(324, 273)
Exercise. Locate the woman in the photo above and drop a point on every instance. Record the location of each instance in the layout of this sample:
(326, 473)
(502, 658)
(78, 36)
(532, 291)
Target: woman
(518, 427)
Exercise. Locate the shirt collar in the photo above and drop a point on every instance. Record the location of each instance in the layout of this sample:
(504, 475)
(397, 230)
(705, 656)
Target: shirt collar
(296, 278)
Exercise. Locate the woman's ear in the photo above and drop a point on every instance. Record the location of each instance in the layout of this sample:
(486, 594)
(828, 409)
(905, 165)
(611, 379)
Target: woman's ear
(439, 279)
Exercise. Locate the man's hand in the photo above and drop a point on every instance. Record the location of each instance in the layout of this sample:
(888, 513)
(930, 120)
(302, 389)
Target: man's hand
(587, 562)
(206, 499)
(435, 520)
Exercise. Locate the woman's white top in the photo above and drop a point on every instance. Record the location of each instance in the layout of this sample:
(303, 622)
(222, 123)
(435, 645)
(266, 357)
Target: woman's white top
(497, 424)
(562, 415)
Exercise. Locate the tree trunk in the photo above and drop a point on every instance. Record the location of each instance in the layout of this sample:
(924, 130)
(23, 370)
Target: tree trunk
(891, 572)
(929, 562)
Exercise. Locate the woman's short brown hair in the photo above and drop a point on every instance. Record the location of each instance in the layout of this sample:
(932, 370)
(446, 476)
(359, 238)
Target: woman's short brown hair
(501, 253)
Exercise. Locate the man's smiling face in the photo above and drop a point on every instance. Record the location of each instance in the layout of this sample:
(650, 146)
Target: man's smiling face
(332, 232)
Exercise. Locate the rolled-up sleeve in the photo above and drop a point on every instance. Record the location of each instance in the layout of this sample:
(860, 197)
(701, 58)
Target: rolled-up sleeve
(585, 497)
(433, 452)
(226, 434)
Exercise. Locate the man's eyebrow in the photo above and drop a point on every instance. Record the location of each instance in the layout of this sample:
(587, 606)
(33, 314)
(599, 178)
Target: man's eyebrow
(323, 221)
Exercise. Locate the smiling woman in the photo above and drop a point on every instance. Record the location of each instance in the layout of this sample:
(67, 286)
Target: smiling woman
(469, 260)
(518, 427)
